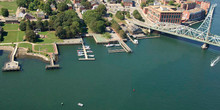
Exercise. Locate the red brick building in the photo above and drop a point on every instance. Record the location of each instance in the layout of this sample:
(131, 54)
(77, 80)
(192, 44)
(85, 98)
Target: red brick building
(127, 3)
(205, 6)
(76, 1)
(163, 14)
(193, 14)
(188, 5)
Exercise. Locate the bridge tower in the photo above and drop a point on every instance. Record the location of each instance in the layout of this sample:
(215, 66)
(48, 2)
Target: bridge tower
(206, 25)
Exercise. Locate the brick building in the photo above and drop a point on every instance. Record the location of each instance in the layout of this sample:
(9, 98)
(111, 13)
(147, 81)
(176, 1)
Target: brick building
(163, 14)
(205, 6)
(188, 5)
(193, 14)
(180, 1)
(127, 3)
(76, 1)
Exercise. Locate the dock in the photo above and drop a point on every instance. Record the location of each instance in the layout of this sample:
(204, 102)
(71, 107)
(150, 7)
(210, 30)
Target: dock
(52, 65)
(86, 58)
(129, 36)
(116, 51)
(12, 65)
(125, 46)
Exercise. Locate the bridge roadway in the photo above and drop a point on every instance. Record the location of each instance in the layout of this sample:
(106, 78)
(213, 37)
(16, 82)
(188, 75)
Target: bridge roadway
(168, 30)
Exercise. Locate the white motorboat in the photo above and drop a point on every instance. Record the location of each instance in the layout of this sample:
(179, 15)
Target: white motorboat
(214, 62)
(135, 41)
(80, 104)
(116, 44)
(109, 45)
(91, 55)
(81, 55)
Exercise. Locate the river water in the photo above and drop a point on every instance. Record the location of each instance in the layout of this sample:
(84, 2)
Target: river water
(166, 73)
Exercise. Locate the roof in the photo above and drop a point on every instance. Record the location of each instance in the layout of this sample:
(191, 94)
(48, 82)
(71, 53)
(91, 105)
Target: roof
(164, 8)
(195, 10)
(127, 0)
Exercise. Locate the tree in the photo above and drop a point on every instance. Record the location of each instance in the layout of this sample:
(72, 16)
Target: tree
(122, 34)
(86, 4)
(22, 26)
(62, 6)
(128, 15)
(31, 36)
(110, 14)
(60, 32)
(120, 15)
(47, 9)
(33, 24)
(137, 15)
(5, 12)
(39, 24)
(45, 25)
(143, 4)
(107, 35)
(101, 9)
(21, 3)
(171, 2)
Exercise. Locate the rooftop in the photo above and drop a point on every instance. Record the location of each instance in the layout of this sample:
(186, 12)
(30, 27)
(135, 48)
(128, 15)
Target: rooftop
(165, 8)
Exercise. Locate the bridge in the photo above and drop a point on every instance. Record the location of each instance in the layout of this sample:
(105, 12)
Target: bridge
(201, 34)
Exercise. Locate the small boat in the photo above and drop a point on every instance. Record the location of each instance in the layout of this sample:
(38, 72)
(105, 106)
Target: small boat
(80, 104)
(91, 55)
(135, 41)
(80, 52)
(109, 45)
(80, 55)
(214, 62)
(89, 51)
(87, 48)
(116, 44)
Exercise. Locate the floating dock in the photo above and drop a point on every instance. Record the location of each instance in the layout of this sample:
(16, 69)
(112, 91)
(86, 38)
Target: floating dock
(116, 51)
(85, 55)
(12, 65)
(125, 46)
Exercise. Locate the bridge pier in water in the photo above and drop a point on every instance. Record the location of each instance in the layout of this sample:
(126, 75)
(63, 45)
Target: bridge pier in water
(205, 46)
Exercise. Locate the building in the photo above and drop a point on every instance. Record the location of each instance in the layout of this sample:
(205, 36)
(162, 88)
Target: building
(163, 14)
(142, 1)
(70, 6)
(127, 3)
(165, 1)
(20, 12)
(76, 1)
(11, 20)
(113, 8)
(52, 6)
(193, 15)
(180, 1)
(133, 29)
(188, 5)
(41, 14)
(28, 16)
(205, 6)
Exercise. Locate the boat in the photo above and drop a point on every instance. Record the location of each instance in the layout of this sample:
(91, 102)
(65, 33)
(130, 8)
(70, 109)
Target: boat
(87, 48)
(116, 44)
(89, 51)
(80, 52)
(109, 45)
(214, 62)
(80, 55)
(135, 41)
(80, 104)
(91, 55)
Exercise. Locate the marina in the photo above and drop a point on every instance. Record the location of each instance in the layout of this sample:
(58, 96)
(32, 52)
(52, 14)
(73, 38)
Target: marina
(85, 53)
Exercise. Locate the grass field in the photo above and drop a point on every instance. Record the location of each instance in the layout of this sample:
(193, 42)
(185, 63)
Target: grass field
(118, 20)
(12, 34)
(11, 6)
(51, 37)
(44, 48)
(25, 45)
(11, 27)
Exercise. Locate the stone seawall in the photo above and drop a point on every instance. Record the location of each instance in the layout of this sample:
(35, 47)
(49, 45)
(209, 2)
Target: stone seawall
(23, 53)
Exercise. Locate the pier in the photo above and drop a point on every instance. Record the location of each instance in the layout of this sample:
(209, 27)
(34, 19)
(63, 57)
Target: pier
(85, 54)
(129, 36)
(125, 46)
(12, 65)
(52, 65)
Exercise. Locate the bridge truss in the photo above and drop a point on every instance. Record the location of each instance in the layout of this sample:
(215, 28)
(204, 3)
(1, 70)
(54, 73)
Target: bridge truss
(201, 34)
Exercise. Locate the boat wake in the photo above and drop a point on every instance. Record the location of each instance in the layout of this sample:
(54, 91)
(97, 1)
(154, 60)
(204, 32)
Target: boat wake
(215, 61)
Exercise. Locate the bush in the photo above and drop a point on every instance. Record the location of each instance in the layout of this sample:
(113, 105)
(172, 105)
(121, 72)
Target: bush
(107, 35)
(120, 15)
(5, 12)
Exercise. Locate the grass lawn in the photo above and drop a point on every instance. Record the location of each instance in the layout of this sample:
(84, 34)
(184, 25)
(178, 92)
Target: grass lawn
(13, 36)
(25, 45)
(8, 45)
(8, 27)
(11, 6)
(118, 20)
(51, 37)
(45, 48)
